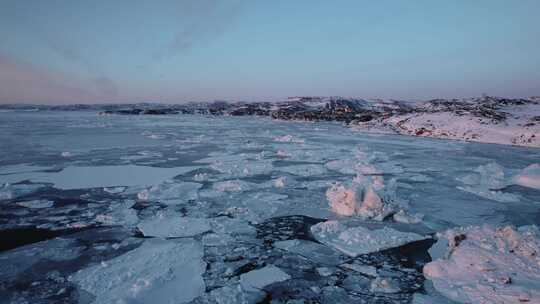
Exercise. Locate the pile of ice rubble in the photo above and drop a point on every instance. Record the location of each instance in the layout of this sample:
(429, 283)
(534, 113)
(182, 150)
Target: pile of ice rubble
(368, 195)
(482, 264)
(488, 265)
(488, 180)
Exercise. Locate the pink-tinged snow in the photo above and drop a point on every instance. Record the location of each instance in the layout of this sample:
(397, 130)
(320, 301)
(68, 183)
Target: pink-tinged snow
(488, 265)
(518, 129)
(529, 177)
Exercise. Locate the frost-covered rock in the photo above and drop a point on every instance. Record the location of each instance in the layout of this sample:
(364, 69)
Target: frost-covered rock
(170, 226)
(158, 271)
(256, 280)
(355, 241)
(171, 192)
(488, 121)
(489, 265)
(529, 177)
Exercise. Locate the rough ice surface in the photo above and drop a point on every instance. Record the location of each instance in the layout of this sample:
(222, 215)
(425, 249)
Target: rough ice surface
(158, 271)
(312, 251)
(288, 138)
(12, 191)
(256, 280)
(355, 241)
(170, 192)
(249, 201)
(303, 170)
(171, 227)
(484, 264)
(366, 197)
(487, 181)
(232, 186)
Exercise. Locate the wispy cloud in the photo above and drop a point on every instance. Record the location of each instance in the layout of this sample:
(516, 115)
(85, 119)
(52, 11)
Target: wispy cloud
(200, 21)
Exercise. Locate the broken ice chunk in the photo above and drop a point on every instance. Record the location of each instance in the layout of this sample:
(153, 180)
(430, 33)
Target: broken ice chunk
(233, 186)
(158, 271)
(36, 204)
(289, 138)
(171, 192)
(312, 251)
(12, 191)
(304, 170)
(359, 240)
(168, 227)
(384, 285)
(256, 280)
(489, 265)
(114, 190)
(486, 182)
(529, 177)
(369, 199)
(402, 217)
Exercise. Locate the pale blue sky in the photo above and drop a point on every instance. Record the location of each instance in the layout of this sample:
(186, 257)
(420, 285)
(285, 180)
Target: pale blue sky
(61, 51)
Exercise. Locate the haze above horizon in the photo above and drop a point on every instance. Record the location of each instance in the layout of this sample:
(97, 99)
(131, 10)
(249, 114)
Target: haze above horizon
(173, 51)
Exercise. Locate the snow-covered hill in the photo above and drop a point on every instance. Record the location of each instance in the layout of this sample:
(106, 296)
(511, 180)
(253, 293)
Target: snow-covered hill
(487, 120)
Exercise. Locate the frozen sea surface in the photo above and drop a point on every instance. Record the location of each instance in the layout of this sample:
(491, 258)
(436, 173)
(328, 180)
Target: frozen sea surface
(95, 209)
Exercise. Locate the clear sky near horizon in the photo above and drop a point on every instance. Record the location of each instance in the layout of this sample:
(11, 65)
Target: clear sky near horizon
(79, 51)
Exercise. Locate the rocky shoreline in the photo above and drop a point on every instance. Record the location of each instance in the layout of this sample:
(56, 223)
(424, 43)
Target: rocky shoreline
(510, 121)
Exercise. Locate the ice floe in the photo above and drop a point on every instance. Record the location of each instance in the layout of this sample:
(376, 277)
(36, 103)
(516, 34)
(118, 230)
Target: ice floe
(256, 280)
(158, 271)
(312, 251)
(487, 182)
(101, 176)
(303, 170)
(484, 264)
(171, 227)
(36, 204)
(358, 240)
(238, 165)
(171, 192)
(119, 213)
(233, 186)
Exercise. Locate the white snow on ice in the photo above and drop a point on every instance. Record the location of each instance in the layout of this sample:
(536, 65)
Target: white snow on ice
(158, 271)
(488, 265)
(358, 240)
